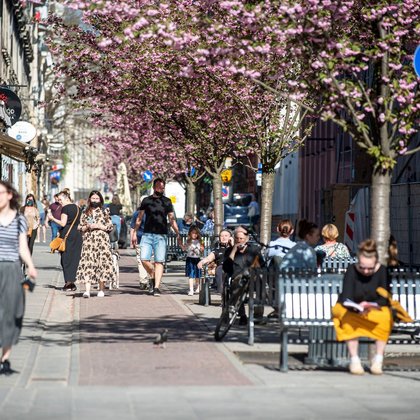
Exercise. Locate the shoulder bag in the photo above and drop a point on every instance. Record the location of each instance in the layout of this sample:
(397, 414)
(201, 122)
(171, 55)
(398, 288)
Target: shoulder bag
(59, 244)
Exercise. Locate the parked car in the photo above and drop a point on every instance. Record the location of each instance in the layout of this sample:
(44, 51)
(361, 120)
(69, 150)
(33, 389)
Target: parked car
(240, 200)
(235, 216)
(236, 210)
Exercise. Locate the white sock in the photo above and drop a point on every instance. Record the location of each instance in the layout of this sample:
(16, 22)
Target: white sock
(355, 359)
(378, 358)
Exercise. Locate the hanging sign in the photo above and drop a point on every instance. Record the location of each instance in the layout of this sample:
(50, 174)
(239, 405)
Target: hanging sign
(12, 104)
(22, 131)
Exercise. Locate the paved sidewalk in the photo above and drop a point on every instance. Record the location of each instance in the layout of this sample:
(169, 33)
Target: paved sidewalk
(94, 359)
(122, 327)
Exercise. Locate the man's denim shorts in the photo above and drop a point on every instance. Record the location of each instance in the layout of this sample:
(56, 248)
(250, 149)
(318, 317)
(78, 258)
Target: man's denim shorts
(153, 243)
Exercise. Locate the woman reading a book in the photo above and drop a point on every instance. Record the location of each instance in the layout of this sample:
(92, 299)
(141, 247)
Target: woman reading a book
(361, 311)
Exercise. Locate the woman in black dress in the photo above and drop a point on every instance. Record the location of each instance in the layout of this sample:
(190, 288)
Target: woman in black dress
(70, 215)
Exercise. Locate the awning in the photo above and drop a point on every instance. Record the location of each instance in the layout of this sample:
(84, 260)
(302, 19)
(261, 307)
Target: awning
(11, 147)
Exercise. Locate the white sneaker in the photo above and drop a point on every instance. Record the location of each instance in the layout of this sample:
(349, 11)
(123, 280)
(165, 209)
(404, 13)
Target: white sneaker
(356, 368)
(86, 295)
(376, 368)
(101, 293)
(197, 291)
(191, 293)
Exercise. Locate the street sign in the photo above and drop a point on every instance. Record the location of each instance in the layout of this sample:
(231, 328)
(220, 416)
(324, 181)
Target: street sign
(258, 175)
(57, 167)
(226, 175)
(147, 176)
(258, 178)
(22, 131)
(225, 191)
(416, 61)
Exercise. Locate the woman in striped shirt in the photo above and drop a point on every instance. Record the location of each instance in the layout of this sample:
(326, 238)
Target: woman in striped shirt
(13, 249)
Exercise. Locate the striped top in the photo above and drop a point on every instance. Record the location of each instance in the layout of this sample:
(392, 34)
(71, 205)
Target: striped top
(9, 238)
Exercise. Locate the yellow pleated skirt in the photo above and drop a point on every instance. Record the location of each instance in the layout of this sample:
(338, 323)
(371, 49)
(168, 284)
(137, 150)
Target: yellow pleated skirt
(376, 324)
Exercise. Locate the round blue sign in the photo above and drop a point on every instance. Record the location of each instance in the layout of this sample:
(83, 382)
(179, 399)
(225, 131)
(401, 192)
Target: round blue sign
(416, 61)
(147, 176)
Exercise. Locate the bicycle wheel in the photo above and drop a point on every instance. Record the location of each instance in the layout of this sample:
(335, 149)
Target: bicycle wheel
(230, 312)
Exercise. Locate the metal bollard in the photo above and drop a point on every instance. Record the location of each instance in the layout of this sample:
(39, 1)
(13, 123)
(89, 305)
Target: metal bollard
(204, 298)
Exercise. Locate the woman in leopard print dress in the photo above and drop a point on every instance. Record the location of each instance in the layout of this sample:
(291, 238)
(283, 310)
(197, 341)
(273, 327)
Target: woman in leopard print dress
(96, 261)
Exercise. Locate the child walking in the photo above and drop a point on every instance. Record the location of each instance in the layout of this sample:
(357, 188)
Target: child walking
(194, 249)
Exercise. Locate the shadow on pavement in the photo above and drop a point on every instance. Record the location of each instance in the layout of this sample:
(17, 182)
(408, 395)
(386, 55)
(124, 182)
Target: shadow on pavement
(105, 329)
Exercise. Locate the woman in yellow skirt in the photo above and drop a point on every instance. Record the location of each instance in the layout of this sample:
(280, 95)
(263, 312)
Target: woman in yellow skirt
(375, 318)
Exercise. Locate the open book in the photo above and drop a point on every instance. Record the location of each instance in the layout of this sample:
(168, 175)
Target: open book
(350, 304)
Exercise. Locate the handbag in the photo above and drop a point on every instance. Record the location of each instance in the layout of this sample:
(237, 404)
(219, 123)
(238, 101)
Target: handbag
(29, 232)
(398, 312)
(59, 244)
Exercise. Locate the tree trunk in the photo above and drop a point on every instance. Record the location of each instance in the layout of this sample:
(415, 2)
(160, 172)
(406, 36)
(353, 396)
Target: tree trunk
(380, 212)
(191, 197)
(218, 203)
(266, 206)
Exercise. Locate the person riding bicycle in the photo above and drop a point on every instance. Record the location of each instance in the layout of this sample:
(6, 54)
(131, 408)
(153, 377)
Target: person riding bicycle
(239, 257)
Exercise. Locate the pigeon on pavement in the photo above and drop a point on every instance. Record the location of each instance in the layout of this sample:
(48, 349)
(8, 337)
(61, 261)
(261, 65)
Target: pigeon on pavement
(161, 339)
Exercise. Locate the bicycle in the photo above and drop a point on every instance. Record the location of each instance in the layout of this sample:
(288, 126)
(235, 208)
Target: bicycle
(236, 291)
(230, 311)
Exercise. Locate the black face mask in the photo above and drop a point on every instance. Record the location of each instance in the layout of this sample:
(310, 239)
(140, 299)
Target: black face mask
(158, 193)
(96, 205)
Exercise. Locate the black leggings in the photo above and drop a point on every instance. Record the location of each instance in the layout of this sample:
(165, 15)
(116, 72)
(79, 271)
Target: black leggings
(31, 240)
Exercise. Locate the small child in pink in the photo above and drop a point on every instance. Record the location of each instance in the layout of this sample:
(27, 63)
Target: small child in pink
(194, 249)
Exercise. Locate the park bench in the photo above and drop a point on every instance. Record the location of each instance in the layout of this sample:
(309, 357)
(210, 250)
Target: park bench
(336, 265)
(175, 252)
(306, 299)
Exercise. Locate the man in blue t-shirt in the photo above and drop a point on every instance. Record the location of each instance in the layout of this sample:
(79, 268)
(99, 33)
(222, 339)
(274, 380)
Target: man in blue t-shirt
(158, 209)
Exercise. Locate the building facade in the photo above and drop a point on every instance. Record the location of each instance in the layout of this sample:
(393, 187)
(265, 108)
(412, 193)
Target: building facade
(19, 64)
